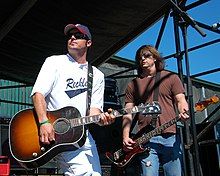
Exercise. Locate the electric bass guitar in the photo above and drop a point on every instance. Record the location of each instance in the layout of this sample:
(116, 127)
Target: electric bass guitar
(69, 128)
(121, 158)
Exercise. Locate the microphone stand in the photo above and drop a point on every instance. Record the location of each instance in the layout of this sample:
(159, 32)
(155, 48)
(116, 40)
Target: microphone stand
(189, 21)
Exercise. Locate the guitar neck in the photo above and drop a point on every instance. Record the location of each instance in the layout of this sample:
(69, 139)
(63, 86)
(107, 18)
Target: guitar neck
(96, 118)
(146, 137)
(84, 120)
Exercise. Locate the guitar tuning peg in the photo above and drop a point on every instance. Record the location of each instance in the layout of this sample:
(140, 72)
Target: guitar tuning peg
(142, 104)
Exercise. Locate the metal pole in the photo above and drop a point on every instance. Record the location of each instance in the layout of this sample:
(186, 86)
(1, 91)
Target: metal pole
(195, 152)
(180, 72)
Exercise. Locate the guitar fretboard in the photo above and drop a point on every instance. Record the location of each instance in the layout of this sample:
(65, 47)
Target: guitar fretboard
(146, 137)
(84, 120)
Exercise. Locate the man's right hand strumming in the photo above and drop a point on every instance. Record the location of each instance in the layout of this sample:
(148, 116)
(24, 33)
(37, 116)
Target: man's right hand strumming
(47, 133)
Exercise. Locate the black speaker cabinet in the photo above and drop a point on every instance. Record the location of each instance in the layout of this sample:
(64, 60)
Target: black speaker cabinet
(107, 137)
(3, 138)
(209, 150)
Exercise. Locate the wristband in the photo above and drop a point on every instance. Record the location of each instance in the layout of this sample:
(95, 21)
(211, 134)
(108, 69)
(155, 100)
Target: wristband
(44, 122)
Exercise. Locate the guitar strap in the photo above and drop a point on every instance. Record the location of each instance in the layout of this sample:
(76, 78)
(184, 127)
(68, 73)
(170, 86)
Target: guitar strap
(89, 87)
(155, 98)
(81, 142)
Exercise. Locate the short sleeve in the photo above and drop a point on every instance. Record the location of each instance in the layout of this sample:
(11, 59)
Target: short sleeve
(177, 85)
(45, 78)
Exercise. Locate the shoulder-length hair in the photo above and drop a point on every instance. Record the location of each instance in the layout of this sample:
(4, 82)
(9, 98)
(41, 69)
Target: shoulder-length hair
(159, 63)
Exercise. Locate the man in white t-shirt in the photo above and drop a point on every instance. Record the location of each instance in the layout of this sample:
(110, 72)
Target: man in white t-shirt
(61, 82)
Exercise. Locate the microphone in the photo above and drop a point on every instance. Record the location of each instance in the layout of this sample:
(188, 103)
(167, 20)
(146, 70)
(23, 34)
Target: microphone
(215, 26)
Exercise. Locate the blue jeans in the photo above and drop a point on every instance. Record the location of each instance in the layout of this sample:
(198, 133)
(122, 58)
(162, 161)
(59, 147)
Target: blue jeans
(165, 151)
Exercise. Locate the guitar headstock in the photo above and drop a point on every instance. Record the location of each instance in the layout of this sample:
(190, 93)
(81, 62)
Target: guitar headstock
(150, 108)
(200, 106)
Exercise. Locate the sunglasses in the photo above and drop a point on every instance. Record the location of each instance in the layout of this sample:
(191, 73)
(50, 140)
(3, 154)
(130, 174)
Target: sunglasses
(145, 56)
(77, 36)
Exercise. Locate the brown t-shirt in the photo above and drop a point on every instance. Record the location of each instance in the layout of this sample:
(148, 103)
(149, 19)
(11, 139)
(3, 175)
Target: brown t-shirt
(140, 90)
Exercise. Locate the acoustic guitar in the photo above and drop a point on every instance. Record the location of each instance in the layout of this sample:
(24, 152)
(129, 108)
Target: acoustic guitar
(69, 128)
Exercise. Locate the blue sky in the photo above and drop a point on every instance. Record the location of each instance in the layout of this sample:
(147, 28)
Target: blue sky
(201, 60)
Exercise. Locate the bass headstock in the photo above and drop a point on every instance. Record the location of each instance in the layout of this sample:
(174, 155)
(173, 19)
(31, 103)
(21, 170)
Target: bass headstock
(148, 108)
(200, 106)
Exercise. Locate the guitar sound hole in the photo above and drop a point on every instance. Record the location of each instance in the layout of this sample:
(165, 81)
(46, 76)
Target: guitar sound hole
(61, 126)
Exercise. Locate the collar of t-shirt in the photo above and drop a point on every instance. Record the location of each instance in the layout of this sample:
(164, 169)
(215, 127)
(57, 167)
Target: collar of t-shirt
(81, 66)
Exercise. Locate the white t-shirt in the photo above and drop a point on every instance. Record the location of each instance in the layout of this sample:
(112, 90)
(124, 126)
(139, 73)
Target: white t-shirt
(63, 82)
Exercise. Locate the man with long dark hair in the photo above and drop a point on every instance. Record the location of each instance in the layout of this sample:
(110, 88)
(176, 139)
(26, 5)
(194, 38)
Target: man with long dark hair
(165, 148)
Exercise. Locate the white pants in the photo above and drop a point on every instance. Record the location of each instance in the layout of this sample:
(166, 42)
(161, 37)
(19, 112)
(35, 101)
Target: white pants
(82, 162)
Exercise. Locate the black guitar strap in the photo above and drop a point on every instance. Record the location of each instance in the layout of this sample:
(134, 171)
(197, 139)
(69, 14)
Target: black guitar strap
(89, 87)
(155, 98)
(81, 142)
